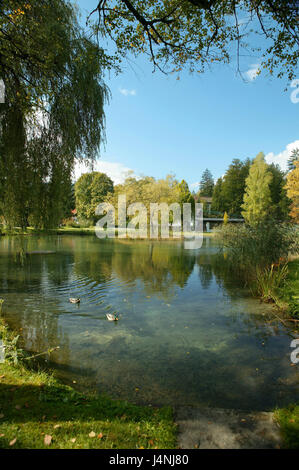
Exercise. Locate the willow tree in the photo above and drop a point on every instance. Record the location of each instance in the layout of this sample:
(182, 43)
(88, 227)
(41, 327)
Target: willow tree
(54, 108)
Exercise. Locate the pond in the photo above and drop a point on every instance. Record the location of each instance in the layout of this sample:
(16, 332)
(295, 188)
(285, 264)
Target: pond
(188, 334)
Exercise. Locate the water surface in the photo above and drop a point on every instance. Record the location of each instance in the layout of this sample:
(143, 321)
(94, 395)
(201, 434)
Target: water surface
(188, 333)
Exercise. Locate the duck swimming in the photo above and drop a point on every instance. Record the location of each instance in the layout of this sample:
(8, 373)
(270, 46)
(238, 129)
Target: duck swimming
(75, 301)
(111, 317)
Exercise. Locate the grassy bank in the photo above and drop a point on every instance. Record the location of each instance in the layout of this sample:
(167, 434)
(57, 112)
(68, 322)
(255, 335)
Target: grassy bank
(288, 420)
(56, 231)
(259, 256)
(290, 292)
(76, 231)
(37, 412)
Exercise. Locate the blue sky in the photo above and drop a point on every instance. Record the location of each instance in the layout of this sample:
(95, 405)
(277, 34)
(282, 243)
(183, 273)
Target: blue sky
(158, 125)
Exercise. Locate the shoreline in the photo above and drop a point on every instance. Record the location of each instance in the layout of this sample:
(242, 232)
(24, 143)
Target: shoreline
(39, 412)
(91, 231)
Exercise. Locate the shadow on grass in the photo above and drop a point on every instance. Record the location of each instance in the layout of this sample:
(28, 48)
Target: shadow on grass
(29, 412)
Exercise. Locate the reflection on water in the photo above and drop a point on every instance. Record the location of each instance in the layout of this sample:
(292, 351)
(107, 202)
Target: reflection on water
(188, 333)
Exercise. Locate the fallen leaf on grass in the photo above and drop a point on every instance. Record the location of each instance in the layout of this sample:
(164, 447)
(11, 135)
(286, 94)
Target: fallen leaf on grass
(100, 435)
(12, 443)
(57, 426)
(92, 434)
(73, 440)
(47, 440)
(2, 435)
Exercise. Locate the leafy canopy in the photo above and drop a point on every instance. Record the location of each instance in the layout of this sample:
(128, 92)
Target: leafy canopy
(54, 109)
(233, 187)
(257, 197)
(90, 190)
(195, 33)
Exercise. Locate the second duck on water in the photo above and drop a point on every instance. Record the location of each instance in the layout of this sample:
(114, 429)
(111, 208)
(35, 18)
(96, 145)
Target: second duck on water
(75, 301)
(111, 317)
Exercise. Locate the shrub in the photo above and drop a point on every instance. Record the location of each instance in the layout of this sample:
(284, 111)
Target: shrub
(70, 223)
(259, 256)
(85, 223)
(250, 248)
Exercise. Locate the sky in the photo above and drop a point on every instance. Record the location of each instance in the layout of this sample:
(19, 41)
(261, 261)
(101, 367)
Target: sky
(157, 125)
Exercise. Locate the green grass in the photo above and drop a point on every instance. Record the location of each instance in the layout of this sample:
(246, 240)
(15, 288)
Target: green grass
(59, 230)
(288, 420)
(67, 231)
(34, 404)
(290, 292)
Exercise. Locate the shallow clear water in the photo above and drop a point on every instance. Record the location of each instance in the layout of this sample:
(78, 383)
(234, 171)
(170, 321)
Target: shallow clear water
(187, 335)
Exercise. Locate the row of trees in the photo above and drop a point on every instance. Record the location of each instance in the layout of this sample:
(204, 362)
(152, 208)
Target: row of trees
(269, 194)
(229, 191)
(251, 189)
(94, 188)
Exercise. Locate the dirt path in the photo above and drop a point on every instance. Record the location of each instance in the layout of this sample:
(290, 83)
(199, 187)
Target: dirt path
(214, 428)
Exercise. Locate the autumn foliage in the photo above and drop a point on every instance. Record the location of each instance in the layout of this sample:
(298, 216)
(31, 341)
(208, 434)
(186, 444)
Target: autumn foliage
(292, 188)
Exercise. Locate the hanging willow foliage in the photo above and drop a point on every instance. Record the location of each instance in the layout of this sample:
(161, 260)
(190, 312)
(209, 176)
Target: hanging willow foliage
(54, 108)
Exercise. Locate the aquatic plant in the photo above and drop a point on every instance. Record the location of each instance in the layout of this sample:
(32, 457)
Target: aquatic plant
(268, 281)
(259, 257)
(249, 249)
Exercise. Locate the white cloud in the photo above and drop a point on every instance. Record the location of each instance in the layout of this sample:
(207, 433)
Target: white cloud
(253, 72)
(116, 171)
(126, 92)
(282, 158)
